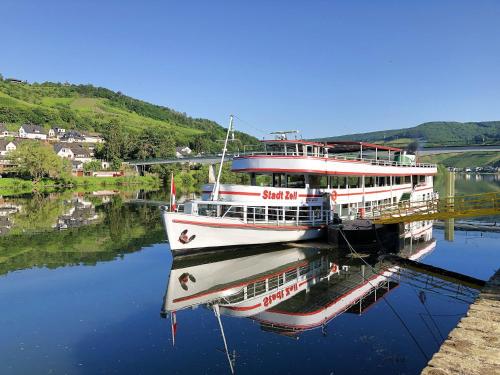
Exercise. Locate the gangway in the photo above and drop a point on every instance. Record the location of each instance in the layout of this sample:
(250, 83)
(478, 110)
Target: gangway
(436, 209)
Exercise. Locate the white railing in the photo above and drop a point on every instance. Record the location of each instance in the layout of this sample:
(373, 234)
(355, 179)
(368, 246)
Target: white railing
(278, 215)
(382, 162)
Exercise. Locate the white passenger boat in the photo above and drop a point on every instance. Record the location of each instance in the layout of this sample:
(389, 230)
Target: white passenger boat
(296, 188)
(244, 284)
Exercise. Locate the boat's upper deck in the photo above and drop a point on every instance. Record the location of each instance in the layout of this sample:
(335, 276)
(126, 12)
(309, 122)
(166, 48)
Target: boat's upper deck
(333, 158)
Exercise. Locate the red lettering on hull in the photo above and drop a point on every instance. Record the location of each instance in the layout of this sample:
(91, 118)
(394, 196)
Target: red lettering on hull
(280, 195)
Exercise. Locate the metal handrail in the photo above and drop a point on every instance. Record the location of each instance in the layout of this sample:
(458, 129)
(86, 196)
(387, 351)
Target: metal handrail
(339, 157)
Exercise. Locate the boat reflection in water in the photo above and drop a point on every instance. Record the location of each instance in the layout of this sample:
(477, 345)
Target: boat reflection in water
(287, 290)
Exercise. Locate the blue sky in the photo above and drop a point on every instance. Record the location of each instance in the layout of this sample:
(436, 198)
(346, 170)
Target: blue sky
(325, 67)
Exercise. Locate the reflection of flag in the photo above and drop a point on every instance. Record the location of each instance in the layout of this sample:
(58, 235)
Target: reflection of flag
(173, 206)
(173, 321)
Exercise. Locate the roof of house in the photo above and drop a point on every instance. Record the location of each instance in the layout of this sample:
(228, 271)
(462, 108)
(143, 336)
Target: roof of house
(80, 150)
(4, 143)
(72, 134)
(59, 146)
(33, 129)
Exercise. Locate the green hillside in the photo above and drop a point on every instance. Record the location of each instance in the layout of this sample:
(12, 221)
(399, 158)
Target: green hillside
(97, 109)
(432, 134)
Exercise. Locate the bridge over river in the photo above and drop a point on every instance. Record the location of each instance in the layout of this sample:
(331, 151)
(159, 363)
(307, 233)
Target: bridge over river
(214, 158)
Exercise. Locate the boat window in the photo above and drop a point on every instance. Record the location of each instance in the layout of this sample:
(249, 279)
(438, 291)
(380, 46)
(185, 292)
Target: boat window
(256, 214)
(273, 282)
(369, 182)
(381, 181)
(275, 149)
(232, 211)
(263, 180)
(398, 180)
(342, 182)
(274, 213)
(334, 182)
(407, 179)
(354, 182)
(279, 180)
(250, 290)
(304, 269)
(303, 213)
(238, 297)
(290, 213)
(290, 275)
(318, 181)
(290, 150)
(207, 210)
(421, 178)
(296, 181)
(260, 287)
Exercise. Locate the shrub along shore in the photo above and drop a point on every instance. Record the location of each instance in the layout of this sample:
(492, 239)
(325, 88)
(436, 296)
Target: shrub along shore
(15, 186)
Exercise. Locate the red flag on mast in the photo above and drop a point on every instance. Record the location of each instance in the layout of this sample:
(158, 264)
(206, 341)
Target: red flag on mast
(173, 322)
(173, 205)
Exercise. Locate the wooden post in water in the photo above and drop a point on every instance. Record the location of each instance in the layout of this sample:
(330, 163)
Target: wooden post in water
(449, 224)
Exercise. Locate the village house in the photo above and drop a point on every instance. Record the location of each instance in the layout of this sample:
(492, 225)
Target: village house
(6, 147)
(181, 152)
(31, 131)
(81, 153)
(93, 138)
(72, 136)
(56, 132)
(3, 130)
(63, 151)
(73, 152)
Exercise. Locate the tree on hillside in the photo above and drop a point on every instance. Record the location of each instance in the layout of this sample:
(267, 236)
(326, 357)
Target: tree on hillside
(200, 144)
(117, 144)
(154, 143)
(38, 160)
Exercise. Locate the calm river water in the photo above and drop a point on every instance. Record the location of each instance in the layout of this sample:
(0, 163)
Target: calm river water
(83, 279)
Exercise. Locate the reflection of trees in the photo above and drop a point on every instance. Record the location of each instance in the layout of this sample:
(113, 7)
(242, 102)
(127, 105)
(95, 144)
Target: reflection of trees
(39, 212)
(125, 229)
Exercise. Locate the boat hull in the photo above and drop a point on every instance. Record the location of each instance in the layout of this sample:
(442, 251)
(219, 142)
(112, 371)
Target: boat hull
(187, 232)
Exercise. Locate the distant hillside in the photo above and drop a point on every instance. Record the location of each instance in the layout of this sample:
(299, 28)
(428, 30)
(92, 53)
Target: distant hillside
(432, 134)
(90, 108)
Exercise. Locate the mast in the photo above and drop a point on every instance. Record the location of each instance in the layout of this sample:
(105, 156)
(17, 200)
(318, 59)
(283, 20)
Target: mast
(229, 359)
(215, 191)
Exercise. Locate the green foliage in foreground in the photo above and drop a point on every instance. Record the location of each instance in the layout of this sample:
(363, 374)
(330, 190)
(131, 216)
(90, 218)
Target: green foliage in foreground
(36, 160)
(433, 134)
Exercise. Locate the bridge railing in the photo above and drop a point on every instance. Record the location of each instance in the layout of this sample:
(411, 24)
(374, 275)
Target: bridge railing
(437, 208)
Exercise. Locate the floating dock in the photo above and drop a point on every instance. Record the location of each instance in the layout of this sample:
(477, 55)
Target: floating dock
(473, 347)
